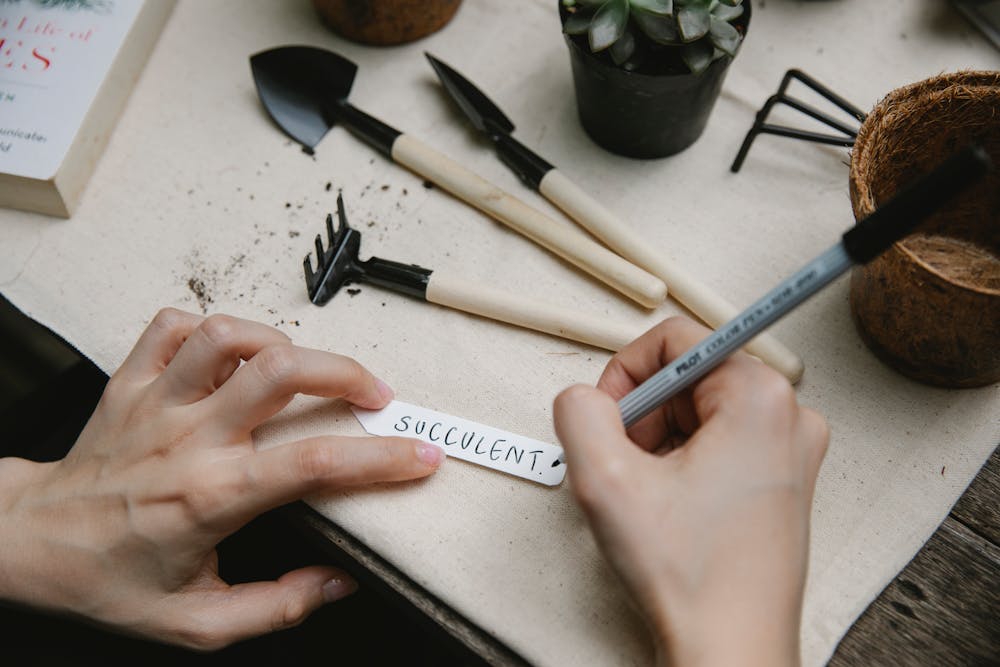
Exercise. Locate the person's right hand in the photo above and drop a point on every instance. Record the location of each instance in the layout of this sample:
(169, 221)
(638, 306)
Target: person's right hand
(703, 506)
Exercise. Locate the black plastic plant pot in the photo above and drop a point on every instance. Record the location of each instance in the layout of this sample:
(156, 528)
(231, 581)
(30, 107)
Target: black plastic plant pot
(644, 115)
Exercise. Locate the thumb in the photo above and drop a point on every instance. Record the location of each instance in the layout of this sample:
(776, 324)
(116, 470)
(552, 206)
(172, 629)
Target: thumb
(598, 451)
(242, 611)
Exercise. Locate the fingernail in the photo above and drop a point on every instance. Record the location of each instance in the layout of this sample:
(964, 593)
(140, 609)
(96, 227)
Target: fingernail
(430, 454)
(338, 587)
(384, 390)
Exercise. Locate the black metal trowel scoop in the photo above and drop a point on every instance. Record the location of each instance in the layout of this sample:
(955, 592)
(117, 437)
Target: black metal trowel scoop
(305, 91)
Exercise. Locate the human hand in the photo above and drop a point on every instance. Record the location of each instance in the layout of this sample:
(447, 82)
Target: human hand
(123, 530)
(702, 507)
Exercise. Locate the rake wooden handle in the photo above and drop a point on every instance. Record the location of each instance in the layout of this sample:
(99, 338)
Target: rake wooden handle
(702, 301)
(597, 330)
(569, 244)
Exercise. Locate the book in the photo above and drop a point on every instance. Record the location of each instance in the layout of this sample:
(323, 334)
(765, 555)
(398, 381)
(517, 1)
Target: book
(67, 68)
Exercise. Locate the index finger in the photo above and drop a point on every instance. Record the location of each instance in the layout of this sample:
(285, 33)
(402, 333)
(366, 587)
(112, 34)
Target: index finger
(643, 358)
(270, 379)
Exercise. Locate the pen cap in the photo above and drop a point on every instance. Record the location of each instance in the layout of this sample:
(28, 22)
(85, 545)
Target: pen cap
(915, 203)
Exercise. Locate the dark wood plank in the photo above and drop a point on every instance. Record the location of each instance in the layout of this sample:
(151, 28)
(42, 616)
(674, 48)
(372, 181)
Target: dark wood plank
(979, 507)
(943, 609)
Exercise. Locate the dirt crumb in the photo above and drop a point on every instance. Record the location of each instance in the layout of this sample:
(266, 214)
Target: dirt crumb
(200, 291)
(354, 291)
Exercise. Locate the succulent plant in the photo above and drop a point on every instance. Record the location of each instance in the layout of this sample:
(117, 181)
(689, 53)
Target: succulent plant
(634, 31)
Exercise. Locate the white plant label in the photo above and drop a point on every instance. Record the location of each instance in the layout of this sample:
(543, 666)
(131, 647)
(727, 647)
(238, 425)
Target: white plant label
(468, 440)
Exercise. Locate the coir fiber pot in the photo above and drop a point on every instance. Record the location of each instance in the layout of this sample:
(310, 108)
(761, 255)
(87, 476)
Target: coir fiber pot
(644, 115)
(930, 306)
(386, 22)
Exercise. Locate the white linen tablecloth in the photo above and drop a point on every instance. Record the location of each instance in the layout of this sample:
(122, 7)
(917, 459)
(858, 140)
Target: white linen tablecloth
(201, 203)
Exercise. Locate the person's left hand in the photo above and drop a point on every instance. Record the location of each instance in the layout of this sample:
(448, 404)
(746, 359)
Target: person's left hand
(123, 530)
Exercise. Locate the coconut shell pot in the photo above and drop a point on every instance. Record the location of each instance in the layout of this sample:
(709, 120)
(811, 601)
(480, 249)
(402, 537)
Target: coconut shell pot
(386, 22)
(930, 306)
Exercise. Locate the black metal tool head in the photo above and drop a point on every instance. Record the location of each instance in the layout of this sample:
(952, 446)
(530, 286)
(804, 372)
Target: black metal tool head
(481, 110)
(301, 88)
(338, 265)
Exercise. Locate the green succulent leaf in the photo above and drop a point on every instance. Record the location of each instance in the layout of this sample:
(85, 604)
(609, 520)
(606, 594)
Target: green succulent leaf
(698, 55)
(727, 13)
(623, 49)
(660, 29)
(661, 7)
(609, 24)
(731, 3)
(576, 24)
(694, 20)
(725, 37)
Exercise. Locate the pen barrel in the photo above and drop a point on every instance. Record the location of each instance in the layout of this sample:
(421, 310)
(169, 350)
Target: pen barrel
(597, 330)
(567, 243)
(693, 364)
(684, 287)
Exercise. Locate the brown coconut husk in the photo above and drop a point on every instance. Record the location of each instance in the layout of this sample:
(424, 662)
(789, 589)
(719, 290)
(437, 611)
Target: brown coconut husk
(930, 306)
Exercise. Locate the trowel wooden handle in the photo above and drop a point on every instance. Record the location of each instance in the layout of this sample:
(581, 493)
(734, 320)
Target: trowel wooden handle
(597, 330)
(567, 243)
(702, 301)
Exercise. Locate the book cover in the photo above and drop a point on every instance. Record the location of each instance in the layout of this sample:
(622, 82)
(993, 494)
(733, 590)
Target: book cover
(66, 70)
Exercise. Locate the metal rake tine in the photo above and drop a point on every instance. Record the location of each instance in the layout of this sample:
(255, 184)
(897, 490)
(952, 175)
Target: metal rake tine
(310, 276)
(331, 238)
(320, 255)
(825, 92)
(342, 225)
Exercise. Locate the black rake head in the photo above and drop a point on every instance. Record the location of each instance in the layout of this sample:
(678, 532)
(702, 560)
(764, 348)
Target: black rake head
(338, 265)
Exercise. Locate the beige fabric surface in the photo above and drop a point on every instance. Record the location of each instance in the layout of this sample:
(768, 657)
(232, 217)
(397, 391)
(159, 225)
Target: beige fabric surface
(199, 192)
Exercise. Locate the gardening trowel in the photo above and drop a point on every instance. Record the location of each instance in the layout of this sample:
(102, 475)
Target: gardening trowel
(539, 175)
(305, 90)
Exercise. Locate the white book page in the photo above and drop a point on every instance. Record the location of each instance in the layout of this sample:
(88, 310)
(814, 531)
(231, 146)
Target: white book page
(52, 62)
